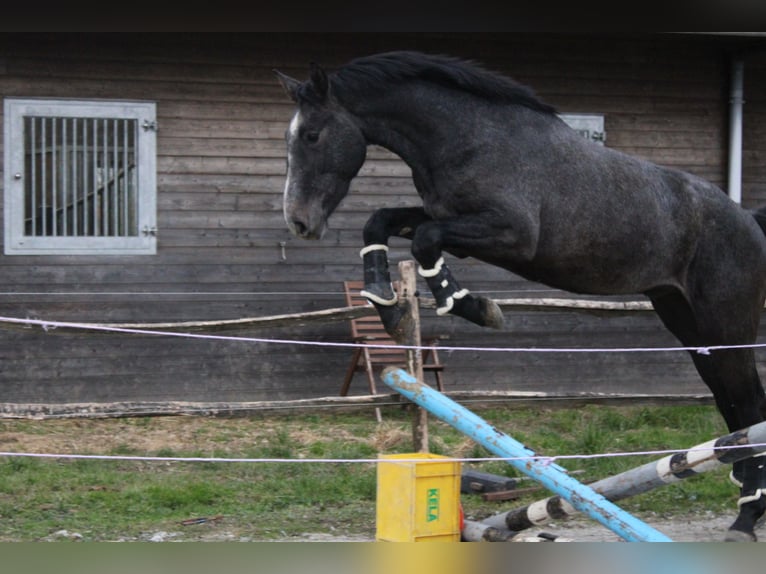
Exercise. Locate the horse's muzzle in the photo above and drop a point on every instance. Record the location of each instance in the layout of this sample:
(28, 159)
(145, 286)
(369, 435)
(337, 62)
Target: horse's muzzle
(300, 229)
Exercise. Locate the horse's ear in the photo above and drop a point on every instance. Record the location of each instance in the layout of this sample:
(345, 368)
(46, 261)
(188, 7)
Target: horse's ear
(319, 81)
(289, 84)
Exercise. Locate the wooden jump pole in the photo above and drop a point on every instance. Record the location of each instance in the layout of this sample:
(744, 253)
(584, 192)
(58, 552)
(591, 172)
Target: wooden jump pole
(670, 469)
(552, 476)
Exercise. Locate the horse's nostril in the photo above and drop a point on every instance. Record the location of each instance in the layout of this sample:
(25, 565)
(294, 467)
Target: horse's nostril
(300, 227)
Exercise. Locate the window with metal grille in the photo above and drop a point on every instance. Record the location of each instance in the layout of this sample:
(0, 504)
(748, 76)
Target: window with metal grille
(80, 177)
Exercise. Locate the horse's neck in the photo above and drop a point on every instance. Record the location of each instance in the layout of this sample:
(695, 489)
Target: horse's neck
(408, 123)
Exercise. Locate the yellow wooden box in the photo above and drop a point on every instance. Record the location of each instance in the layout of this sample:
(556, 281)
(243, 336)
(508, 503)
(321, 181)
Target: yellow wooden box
(418, 498)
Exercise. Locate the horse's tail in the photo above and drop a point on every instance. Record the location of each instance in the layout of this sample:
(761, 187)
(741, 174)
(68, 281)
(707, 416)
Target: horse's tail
(760, 217)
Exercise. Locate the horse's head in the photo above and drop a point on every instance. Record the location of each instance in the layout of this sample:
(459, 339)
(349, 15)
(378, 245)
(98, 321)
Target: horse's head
(325, 150)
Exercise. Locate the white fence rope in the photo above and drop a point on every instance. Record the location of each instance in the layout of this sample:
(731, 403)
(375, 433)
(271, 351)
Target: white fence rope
(47, 325)
(249, 294)
(547, 459)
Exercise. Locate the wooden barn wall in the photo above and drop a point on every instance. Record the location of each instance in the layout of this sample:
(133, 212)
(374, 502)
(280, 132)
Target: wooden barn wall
(223, 250)
(754, 130)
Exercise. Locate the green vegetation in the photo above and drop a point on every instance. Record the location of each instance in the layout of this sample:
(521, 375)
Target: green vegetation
(132, 500)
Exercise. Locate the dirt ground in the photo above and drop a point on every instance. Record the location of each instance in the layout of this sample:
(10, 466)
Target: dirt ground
(695, 528)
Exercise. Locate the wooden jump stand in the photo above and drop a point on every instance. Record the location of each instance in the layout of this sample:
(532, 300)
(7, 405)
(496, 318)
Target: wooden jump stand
(407, 290)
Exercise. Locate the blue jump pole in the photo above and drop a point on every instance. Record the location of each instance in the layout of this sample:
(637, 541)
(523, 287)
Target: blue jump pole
(551, 476)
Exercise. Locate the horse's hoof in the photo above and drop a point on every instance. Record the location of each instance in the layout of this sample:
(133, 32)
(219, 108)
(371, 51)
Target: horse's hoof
(480, 310)
(380, 293)
(397, 322)
(739, 536)
(493, 315)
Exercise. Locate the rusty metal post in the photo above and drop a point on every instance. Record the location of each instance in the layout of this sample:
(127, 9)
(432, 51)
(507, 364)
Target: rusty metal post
(407, 290)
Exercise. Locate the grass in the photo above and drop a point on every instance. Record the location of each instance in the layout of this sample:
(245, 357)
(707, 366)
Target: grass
(132, 500)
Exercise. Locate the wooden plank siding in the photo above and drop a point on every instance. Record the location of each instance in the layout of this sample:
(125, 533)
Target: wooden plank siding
(224, 251)
(754, 133)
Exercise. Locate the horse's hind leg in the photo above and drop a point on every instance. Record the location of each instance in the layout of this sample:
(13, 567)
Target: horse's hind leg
(744, 403)
(747, 406)
(733, 379)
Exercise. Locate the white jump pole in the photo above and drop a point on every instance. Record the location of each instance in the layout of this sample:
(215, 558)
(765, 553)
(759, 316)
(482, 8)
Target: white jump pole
(670, 469)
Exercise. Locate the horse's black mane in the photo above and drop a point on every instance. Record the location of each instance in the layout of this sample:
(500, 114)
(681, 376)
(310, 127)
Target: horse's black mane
(374, 72)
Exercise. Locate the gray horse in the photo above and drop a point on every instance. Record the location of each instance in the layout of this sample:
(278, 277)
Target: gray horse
(504, 180)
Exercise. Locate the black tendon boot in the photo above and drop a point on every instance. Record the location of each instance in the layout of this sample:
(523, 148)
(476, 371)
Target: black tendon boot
(750, 476)
(378, 290)
(450, 298)
(377, 279)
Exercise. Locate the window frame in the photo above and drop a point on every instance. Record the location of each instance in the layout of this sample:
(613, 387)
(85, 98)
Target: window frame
(16, 242)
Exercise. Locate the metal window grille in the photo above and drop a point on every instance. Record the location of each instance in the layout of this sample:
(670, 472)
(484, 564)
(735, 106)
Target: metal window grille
(80, 177)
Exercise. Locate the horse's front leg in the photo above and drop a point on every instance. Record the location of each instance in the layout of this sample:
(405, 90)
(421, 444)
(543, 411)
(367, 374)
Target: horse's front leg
(383, 224)
(429, 238)
(428, 243)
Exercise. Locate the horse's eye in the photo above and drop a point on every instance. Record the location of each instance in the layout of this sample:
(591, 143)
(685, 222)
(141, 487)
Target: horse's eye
(312, 137)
